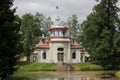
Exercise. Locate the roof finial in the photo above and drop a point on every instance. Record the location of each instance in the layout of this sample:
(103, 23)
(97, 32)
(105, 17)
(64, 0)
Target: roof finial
(57, 7)
(57, 19)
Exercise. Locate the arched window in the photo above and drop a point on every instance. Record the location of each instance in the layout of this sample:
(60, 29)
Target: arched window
(44, 55)
(73, 55)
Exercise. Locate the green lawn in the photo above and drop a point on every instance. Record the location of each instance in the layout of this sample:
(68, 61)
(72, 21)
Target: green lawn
(86, 67)
(34, 66)
(118, 74)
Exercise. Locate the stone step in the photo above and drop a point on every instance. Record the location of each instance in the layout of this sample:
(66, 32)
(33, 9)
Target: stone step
(63, 67)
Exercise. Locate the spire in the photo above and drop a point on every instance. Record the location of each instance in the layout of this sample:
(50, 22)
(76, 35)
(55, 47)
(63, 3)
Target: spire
(57, 20)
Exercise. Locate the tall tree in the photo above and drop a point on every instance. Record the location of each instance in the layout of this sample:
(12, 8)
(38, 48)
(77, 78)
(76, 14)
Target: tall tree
(30, 32)
(74, 27)
(47, 24)
(9, 39)
(32, 27)
(43, 23)
(99, 32)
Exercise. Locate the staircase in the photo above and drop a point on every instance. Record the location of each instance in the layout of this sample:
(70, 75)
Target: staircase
(63, 67)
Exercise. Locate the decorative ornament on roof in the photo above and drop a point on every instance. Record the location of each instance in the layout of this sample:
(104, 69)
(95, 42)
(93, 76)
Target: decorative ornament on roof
(58, 23)
(57, 20)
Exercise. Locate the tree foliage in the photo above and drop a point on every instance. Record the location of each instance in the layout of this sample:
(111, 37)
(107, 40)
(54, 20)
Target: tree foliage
(101, 33)
(9, 39)
(74, 26)
(43, 22)
(32, 27)
(29, 30)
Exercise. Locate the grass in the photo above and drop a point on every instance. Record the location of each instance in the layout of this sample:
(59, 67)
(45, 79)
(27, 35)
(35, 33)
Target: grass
(118, 74)
(86, 67)
(33, 66)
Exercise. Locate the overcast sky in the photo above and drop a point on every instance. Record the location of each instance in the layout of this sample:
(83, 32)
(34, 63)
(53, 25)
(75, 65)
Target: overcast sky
(81, 8)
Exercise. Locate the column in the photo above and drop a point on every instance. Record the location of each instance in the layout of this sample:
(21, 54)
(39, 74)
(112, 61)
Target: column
(69, 55)
(50, 47)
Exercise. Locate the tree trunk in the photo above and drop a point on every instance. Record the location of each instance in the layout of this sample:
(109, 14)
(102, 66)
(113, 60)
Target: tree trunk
(28, 58)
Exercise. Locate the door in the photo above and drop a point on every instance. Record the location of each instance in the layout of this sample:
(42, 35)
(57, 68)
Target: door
(60, 57)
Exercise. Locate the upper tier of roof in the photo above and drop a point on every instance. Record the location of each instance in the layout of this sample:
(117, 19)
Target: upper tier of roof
(58, 28)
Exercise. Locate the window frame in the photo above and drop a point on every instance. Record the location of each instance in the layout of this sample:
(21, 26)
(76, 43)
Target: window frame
(44, 55)
(74, 55)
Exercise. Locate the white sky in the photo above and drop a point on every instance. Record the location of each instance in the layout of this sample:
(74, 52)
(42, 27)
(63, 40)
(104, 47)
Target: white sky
(81, 8)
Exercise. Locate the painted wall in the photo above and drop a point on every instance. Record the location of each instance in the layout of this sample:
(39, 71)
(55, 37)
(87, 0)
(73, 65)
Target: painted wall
(40, 54)
(34, 57)
(78, 56)
(52, 54)
(54, 51)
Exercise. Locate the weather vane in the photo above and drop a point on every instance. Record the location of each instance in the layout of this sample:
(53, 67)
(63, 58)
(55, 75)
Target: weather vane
(57, 7)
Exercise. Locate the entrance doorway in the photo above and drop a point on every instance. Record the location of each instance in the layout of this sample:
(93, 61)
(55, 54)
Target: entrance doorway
(60, 57)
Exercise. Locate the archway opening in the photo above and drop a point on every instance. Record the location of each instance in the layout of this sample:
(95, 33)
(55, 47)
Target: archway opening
(60, 54)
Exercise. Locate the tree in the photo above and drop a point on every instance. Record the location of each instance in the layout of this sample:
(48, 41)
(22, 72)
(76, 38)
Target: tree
(9, 39)
(43, 23)
(74, 27)
(48, 22)
(30, 32)
(32, 27)
(100, 31)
